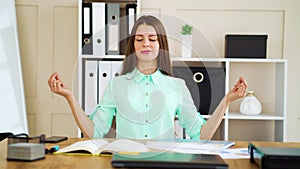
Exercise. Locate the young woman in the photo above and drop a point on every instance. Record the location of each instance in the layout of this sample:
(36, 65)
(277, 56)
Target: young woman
(146, 98)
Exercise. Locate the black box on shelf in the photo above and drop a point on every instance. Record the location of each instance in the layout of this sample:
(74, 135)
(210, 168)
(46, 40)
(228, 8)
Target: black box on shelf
(206, 85)
(246, 46)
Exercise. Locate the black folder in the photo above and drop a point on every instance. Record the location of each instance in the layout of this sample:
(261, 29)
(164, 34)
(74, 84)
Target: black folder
(87, 32)
(168, 160)
(274, 157)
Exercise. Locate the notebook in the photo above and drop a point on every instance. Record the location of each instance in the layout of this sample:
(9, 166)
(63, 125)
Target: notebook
(168, 160)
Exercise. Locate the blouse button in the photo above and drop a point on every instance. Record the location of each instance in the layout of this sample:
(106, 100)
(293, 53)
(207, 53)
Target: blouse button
(147, 83)
(147, 94)
(146, 135)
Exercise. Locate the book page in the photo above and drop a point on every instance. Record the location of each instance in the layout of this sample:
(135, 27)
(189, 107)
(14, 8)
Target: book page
(93, 146)
(125, 145)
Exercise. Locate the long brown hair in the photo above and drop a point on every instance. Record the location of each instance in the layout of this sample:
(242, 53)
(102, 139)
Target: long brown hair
(164, 62)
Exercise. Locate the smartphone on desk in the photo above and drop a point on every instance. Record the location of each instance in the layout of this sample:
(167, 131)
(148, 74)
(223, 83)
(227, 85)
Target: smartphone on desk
(55, 139)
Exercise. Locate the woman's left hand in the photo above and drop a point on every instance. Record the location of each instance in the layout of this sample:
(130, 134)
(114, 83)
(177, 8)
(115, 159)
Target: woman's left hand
(238, 91)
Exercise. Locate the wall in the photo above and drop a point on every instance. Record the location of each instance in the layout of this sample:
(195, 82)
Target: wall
(48, 40)
(48, 43)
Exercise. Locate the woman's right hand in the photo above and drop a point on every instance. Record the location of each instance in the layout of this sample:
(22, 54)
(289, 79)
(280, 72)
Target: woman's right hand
(57, 86)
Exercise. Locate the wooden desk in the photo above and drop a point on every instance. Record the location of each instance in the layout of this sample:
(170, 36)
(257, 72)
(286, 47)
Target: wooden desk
(103, 162)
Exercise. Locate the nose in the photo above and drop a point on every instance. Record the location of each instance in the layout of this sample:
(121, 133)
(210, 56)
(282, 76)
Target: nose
(146, 42)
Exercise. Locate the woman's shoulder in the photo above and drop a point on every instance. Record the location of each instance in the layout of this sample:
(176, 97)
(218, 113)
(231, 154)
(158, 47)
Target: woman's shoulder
(175, 79)
(171, 80)
(119, 78)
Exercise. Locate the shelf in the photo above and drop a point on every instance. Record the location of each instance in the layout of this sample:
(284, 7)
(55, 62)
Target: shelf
(103, 57)
(228, 60)
(208, 116)
(262, 116)
(256, 60)
(195, 59)
(239, 116)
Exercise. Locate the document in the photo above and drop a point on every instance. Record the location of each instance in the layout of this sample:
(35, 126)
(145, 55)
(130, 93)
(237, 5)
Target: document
(216, 147)
(190, 146)
(101, 146)
(235, 153)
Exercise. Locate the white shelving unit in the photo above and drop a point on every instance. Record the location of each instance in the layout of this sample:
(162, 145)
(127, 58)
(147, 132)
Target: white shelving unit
(83, 58)
(273, 117)
(268, 126)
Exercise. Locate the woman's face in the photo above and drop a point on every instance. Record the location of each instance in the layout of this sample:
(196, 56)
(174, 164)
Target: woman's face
(146, 43)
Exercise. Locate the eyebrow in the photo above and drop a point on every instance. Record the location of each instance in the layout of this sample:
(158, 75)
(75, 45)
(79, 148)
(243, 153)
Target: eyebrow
(148, 35)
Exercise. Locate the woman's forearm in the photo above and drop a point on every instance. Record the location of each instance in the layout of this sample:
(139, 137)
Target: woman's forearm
(238, 91)
(84, 123)
(209, 128)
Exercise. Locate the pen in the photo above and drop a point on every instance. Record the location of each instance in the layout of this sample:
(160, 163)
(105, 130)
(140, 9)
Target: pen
(51, 150)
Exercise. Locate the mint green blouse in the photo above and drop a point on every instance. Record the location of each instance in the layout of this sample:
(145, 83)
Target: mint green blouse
(145, 107)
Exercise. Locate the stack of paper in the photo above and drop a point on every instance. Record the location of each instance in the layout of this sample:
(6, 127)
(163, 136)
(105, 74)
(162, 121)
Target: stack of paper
(190, 146)
(200, 147)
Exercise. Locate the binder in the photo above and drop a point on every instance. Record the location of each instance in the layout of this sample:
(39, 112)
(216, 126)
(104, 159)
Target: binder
(274, 157)
(90, 86)
(168, 160)
(98, 28)
(131, 16)
(112, 28)
(126, 24)
(104, 76)
(116, 68)
(87, 31)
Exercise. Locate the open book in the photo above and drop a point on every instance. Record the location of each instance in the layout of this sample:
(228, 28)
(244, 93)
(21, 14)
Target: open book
(101, 146)
(190, 146)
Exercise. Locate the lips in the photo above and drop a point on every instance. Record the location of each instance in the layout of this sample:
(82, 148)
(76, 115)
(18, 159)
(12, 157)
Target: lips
(145, 51)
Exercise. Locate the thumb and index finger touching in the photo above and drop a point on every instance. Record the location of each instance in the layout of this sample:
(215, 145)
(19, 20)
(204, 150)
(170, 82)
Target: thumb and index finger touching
(241, 82)
(54, 81)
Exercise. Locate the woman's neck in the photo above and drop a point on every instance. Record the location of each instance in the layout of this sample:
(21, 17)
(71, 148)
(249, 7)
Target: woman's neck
(147, 69)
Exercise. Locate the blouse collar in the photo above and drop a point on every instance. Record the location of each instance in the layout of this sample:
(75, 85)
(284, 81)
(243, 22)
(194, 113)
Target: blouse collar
(138, 76)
